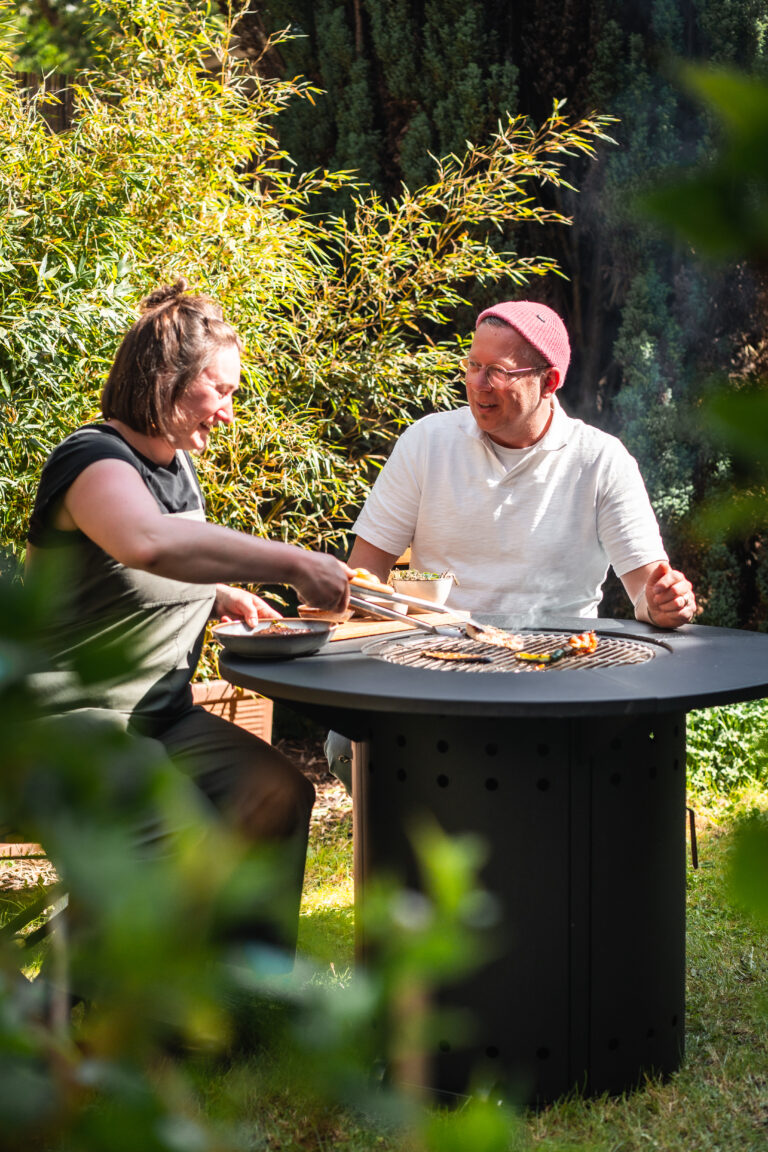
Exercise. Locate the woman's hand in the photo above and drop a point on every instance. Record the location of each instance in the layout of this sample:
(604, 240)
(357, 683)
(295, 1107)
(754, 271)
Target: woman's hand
(322, 581)
(237, 604)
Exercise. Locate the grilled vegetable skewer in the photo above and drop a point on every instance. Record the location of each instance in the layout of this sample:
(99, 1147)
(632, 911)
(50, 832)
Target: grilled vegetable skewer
(584, 643)
(457, 657)
(542, 657)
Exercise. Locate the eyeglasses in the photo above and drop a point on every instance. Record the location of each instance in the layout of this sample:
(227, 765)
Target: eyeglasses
(496, 375)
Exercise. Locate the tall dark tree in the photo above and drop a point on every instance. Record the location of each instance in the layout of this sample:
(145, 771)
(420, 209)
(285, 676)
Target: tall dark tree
(409, 78)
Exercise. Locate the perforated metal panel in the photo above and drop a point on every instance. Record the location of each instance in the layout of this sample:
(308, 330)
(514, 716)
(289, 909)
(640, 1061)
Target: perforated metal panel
(585, 836)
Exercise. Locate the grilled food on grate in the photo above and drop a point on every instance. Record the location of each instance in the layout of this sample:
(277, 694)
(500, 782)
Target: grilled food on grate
(499, 637)
(543, 651)
(584, 643)
(458, 657)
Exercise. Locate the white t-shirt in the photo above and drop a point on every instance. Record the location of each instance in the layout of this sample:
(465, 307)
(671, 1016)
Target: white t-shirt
(527, 531)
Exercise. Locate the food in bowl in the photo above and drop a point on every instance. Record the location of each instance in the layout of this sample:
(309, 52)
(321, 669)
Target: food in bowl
(281, 628)
(275, 639)
(415, 574)
(434, 587)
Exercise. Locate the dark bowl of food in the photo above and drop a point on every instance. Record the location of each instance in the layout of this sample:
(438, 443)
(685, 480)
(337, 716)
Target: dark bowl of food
(274, 639)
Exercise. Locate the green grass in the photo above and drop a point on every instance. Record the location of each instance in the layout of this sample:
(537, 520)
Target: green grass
(16, 902)
(719, 1099)
(326, 925)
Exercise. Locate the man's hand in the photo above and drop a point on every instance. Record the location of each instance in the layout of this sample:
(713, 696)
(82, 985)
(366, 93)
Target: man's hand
(669, 598)
(237, 604)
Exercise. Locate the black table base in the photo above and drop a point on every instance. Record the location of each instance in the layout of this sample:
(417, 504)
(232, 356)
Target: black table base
(584, 824)
(576, 782)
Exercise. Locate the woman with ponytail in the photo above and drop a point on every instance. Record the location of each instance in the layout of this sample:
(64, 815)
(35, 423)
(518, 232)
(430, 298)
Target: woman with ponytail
(120, 512)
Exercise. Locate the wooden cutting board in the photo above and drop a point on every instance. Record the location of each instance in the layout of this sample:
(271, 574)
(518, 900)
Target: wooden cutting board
(356, 629)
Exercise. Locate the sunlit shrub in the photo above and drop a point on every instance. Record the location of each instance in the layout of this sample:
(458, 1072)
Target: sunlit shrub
(171, 167)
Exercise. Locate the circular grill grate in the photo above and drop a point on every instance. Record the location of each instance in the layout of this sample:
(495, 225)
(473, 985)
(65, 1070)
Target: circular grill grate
(415, 653)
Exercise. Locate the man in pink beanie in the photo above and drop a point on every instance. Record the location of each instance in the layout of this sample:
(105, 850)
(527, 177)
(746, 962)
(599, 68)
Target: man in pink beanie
(527, 506)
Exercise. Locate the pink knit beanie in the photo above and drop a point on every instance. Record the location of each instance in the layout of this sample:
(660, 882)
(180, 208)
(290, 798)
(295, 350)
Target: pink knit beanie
(540, 326)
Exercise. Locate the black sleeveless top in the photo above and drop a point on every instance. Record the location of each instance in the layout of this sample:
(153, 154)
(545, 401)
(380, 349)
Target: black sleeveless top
(106, 608)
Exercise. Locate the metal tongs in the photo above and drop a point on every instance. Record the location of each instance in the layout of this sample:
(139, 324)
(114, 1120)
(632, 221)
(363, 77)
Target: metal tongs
(362, 595)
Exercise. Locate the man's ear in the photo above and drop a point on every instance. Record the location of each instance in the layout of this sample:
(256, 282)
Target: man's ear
(550, 381)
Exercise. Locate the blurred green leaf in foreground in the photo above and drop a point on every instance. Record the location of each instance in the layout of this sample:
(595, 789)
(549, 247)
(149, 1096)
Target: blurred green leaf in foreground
(721, 208)
(749, 867)
(142, 943)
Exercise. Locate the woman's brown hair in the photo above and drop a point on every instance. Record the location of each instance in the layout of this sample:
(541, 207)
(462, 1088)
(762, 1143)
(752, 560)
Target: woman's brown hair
(168, 347)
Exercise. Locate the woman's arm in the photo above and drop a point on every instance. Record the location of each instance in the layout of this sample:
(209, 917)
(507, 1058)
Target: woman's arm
(109, 503)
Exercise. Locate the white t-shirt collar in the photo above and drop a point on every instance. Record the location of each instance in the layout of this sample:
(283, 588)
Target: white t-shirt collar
(555, 437)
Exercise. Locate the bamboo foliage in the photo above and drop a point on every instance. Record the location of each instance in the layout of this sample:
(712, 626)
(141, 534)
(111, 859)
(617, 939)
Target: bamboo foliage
(172, 166)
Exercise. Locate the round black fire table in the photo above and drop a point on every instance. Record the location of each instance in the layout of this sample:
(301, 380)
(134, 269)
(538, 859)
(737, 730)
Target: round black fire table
(575, 779)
